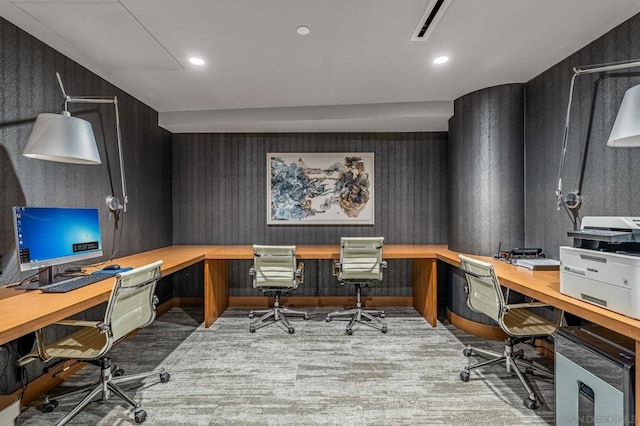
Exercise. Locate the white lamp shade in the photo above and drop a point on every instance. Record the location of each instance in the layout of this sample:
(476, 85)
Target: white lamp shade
(62, 138)
(626, 129)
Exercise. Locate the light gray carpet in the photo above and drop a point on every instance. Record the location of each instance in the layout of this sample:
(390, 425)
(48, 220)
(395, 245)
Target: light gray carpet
(319, 375)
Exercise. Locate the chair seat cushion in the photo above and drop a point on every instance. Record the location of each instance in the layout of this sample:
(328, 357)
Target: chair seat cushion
(86, 343)
(524, 322)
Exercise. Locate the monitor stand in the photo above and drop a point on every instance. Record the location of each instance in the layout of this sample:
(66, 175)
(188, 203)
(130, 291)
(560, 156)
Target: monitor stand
(45, 277)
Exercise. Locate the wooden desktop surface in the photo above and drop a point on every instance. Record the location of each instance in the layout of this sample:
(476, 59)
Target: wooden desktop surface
(22, 312)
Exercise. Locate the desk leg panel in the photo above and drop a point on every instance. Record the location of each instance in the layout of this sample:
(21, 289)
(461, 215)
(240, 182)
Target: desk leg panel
(216, 289)
(425, 285)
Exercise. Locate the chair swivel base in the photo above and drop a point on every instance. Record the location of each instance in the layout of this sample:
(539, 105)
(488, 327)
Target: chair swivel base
(271, 316)
(108, 383)
(362, 316)
(513, 362)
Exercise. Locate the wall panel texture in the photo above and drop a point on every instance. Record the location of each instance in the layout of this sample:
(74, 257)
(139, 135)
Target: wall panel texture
(28, 87)
(611, 175)
(486, 148)
(219, 197)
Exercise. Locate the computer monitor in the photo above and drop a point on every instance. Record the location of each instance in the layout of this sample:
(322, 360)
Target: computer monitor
(50, 236)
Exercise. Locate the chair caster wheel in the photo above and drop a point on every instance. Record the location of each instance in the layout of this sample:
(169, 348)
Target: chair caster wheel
(306, 316)
(328, 318)
(382, 314)
(140, 416)
(291, 330)
(349, 331)
(252, 329)
(252, 315)
(464, 376)
(467, 352)
(164, 377)
(384, 328)
(531, 404)
(50, 405)
(118, 372)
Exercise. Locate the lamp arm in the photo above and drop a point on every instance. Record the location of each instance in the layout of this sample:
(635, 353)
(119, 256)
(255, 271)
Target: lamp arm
(112, 202)
(573, 201)
(565, 138)
(125, 197)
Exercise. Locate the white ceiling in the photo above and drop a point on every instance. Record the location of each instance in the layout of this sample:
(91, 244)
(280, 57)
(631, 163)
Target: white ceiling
(358, 70)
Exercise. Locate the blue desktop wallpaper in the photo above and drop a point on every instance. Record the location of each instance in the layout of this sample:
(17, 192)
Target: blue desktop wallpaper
(50, 233)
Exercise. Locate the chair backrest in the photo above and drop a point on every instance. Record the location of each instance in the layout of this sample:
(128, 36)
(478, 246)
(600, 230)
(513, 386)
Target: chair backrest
(132, 302)
(484, 293)
(360, 259)
(274, 267)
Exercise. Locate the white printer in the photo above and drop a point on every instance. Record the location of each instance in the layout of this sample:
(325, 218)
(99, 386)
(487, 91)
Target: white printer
(603, 266)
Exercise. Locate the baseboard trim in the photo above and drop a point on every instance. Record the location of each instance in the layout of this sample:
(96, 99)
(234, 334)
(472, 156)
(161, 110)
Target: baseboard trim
(186, 302)
(485, 331)
(319, 301)
(43, 384)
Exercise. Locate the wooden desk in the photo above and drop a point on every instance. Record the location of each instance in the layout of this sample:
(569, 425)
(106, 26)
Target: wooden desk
(545, 287)
(216, 293)
(23, 312)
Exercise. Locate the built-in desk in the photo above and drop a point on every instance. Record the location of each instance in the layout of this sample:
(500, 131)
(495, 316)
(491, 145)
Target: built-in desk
(23, 312)
(424, 273)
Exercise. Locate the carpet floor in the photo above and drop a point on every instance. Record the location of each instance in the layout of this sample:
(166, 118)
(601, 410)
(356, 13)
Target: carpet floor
(225, 375)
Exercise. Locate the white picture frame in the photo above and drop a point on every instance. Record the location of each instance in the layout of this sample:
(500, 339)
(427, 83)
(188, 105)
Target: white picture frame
(320, 188)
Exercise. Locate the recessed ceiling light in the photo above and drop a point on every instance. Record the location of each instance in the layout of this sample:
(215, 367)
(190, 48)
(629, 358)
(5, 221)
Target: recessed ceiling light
(196, 61)
(303, 30)
(441, 60)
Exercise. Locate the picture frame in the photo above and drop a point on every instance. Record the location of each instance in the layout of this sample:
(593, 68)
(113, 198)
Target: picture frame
(320, 188)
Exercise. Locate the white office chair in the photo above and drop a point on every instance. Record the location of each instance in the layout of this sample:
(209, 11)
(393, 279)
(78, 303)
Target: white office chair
(518, 321)
(130, 306)
(360, 264)
(274, 271)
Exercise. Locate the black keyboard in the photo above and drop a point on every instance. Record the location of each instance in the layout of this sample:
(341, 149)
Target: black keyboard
(75, 282)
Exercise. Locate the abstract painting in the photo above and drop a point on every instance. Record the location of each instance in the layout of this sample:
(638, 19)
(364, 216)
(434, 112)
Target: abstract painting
(320, 188)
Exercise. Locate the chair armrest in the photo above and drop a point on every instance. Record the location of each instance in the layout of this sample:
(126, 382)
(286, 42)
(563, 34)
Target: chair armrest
(252, 271)
(41, 352)
(527, 305)
(300, 273)
(383, 264)
(79, 323)
(337, 266)
(474, 274)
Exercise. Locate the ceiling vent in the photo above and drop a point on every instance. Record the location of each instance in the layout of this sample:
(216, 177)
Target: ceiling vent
(429, 20)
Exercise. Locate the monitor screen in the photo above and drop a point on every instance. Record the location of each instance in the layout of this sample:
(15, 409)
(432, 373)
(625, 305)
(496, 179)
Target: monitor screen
(49, 236)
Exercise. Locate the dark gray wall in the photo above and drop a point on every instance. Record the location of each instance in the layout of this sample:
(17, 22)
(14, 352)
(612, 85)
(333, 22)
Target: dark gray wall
(612, 174)
(220, 195)
(28, 87)
(486, 148)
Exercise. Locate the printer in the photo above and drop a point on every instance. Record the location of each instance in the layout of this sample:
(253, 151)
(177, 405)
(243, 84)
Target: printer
(603, 266)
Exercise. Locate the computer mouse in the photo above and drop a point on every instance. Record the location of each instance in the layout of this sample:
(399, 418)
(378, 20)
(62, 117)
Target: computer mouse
(113, 267)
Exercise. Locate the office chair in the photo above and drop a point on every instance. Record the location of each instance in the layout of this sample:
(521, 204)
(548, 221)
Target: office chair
(360, 264)
(274, 271)
(518, 321)
(130, 306)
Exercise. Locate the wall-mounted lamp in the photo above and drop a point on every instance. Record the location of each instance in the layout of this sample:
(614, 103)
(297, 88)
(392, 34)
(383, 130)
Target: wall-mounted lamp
(625, 132)
(67, 139)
